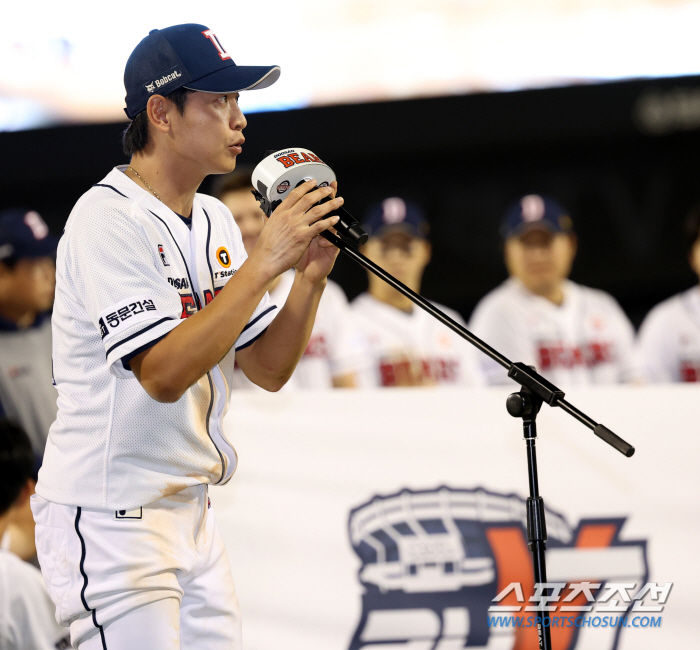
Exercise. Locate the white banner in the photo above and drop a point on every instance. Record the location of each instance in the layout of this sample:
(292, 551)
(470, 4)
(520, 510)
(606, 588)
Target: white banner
(392, 519)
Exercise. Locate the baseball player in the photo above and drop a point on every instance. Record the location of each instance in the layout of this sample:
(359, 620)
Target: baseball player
(334, 349)
(405, 346)
(27, 394)
(155, 301)
(26, 611)
(27, 280)
(572, 334)
(668, 344)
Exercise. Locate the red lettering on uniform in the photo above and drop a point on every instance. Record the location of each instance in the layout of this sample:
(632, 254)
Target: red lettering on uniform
(189, 306)
(295, 158)
(317, 347)
(386, 374)
(689, 372)
(208, 297)
(557, 355)
(286, 161)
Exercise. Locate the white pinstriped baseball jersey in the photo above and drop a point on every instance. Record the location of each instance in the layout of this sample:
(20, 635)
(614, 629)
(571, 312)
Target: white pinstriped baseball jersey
(585, 340)
(128, 271)
(411, 348)
(668, 345)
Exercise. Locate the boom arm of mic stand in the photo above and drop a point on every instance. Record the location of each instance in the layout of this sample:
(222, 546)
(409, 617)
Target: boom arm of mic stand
(519, 372)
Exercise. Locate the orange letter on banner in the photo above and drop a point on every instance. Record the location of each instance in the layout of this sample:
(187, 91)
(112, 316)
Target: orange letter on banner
(295, 158)
(514, 564)
(286, 161)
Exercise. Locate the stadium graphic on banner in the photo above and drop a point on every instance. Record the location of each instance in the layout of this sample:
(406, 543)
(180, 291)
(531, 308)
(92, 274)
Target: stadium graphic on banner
(433, 562)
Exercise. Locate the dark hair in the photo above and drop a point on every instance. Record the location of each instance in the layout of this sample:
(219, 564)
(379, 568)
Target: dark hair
(16, 463)
(237, 180)
(692, 228)
(135, 136)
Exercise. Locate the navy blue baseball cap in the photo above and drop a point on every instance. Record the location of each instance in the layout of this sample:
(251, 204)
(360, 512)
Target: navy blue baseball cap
(396, 215)
(532, 212)
(24, 234)
(189, 56)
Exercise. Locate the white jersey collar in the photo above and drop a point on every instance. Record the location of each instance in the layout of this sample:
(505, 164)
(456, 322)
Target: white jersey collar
(126, 186)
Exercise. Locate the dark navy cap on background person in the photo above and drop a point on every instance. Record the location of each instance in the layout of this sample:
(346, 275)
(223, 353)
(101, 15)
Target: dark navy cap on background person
(24, 234)
(396, 215)
(532, 212)
(189, 56)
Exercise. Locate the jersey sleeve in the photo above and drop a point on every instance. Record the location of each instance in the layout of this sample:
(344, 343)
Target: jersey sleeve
(629, 370)
(112, 271)
(493, 323)
(654, 351)
(470, 371)
(346, 343)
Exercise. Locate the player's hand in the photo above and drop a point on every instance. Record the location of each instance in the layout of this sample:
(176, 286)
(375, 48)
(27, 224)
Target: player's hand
(318, 259)
(290, 229)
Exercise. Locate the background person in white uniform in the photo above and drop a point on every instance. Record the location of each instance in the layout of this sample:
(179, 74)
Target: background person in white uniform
(404, 345)
(334, 348)
(668, 344)
(26, 612)
(572, 334)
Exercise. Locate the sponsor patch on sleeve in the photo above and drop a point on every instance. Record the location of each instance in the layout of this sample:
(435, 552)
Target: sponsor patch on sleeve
(130, 311)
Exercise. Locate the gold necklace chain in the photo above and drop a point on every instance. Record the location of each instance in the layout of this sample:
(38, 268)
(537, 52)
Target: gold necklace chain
(143, 180)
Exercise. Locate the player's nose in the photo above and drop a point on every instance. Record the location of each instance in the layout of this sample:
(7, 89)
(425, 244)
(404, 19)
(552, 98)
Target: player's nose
(238, 121)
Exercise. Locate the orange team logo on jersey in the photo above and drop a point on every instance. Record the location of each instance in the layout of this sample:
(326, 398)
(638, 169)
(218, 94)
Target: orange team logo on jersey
(223, 256)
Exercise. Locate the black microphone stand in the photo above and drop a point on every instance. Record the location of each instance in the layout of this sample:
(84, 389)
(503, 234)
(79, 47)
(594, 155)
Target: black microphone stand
(534, 391)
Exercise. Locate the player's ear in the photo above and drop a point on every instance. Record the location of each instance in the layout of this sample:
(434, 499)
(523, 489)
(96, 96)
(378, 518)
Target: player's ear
(157, 111)
(573, 239)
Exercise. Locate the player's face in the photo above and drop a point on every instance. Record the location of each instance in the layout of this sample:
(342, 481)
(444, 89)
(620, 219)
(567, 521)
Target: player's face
(29, 285)
(248, 215)
(541, 260)
(209, 134)
(402, 255)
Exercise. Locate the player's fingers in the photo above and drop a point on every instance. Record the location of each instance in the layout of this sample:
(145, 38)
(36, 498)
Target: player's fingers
(304, 204)
(320, 211)
(323, 224)
(298, 193)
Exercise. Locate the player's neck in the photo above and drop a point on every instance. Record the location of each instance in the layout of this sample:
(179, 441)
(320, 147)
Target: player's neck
(174, 183)
(554, 292)
(392, 297)
(5, 520)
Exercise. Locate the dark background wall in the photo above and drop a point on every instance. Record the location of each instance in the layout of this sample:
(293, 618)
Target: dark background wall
(621, 157)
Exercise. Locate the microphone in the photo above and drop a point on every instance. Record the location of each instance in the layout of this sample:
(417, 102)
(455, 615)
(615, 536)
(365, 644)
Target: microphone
(281, 171)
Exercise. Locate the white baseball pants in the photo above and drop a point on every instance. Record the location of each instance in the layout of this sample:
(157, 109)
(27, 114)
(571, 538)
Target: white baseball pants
(156, 578)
